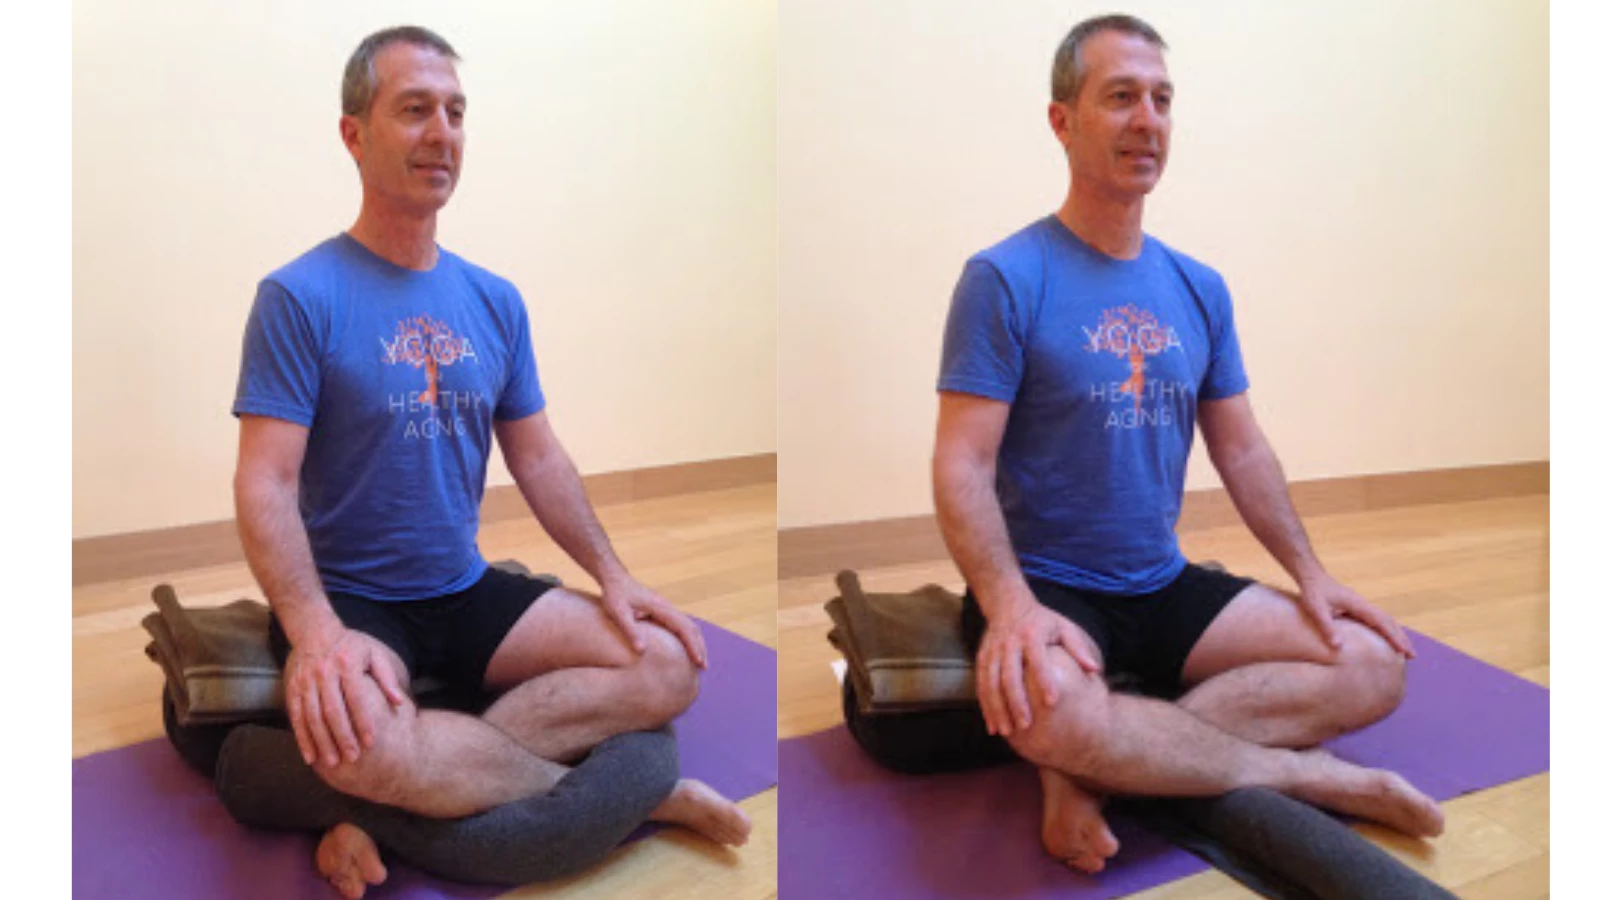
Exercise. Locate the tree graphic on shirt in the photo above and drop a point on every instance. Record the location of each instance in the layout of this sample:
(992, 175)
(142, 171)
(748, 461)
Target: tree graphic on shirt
(1133, 334)
(426, 343)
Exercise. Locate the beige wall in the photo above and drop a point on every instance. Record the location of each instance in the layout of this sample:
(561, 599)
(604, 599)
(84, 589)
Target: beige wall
(1371, 177)
(619, 169)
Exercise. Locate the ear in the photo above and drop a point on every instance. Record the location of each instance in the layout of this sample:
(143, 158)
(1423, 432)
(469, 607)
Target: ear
(350, 134)
(1060, 121)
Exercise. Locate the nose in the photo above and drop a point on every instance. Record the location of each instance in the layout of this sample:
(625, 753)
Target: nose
(438, 127)
(1145, 115)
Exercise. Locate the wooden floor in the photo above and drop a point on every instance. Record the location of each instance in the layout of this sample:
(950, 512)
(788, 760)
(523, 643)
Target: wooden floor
(712, 553)
(1473, 575)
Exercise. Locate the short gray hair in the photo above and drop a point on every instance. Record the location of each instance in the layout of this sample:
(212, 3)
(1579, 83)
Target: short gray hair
(361, 72)
(1066, 76)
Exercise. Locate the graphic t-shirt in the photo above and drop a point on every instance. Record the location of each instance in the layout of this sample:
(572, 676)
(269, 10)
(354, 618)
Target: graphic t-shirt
(1102, 361)
(399, 375)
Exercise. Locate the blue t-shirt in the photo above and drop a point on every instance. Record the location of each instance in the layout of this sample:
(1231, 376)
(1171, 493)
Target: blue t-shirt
(1102, 361)
(399, 375)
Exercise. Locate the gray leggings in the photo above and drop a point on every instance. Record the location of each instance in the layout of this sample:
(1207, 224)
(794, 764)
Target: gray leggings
(263, 781)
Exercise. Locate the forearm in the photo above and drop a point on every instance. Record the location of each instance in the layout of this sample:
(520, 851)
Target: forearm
(1256, 483)
(279, 553)
(554, 491)
(975, 533)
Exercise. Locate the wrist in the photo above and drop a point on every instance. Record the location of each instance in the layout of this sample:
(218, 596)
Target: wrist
(612, 574)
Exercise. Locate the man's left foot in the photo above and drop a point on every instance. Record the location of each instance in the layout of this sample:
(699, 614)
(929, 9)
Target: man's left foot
(349, 859)
(694, 805)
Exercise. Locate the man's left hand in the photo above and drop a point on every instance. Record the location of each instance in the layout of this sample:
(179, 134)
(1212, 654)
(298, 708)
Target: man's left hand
(1325, 599)
(628, 602)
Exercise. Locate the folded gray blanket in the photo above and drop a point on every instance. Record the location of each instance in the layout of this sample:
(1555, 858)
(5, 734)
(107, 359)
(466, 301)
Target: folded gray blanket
(217, 661)
(904, 651)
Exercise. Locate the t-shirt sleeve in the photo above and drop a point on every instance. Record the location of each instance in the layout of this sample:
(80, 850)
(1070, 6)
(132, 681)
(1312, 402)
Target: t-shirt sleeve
(279, 368)
(1225, 374)
(983, 337)
(522, 395)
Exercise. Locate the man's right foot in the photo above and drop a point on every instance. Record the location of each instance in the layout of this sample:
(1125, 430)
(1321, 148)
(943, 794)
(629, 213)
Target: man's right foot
(349, 859)
(1375, 794)
(1075, 832)
(694, 805)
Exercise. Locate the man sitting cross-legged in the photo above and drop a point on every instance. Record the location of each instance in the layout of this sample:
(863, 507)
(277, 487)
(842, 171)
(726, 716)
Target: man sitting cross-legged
(1079, 355)
(378, 370)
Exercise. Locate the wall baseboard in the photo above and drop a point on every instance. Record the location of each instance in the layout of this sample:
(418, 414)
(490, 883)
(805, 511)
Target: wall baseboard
(142, 553)
(825, 549)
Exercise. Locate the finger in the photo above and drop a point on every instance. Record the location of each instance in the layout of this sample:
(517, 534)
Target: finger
(337, 717)
(388, 680)
(1391, 631)
(684, 628)
(622, 614)
(1033, 657)
(297, 724)
(1078, 645)
(1016, 691)
(360, 716)
(1323, 620)
(322, 742)
(994, 707)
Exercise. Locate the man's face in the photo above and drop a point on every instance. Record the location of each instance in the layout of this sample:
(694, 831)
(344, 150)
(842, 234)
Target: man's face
(409, 146)
(1116, 132)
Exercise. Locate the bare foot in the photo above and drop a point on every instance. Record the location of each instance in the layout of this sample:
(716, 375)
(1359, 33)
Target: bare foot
(1376, 794)
(349, 859)
(693, 804)
(1074, 830)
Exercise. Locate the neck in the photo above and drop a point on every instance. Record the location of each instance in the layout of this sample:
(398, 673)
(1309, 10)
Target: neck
(1112, 225)
(405, 240)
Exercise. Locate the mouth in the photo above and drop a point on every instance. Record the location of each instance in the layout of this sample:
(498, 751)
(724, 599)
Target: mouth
(433, 168)
(1140, 156)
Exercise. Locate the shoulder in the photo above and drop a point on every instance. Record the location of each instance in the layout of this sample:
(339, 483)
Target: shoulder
(480, 278)
(1207, 281)
(1020, 257)
(312, 269)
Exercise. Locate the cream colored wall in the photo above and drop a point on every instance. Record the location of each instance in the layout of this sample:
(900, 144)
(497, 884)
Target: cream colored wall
(1371, 177)
(619, 169)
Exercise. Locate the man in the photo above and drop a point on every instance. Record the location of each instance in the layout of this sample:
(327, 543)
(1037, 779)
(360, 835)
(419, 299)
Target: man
(377, 371)
(1079, 355)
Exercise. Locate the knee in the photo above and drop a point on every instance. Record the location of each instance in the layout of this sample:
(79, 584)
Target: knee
(668, 679)
(381, 772)
(1072, 733)
(1375, 675)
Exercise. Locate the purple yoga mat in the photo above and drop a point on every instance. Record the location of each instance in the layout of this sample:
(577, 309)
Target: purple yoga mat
(850, 828)
(147, 827)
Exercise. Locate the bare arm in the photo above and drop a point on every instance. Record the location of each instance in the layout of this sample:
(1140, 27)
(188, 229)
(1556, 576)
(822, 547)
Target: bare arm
(964, 453)
(1019, 627)
(266, 496)
(325, 656)
(548, 480)
(1255, 482)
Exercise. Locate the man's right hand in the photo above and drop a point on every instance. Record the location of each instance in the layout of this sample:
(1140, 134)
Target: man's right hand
(321, 673)
(1017, 638)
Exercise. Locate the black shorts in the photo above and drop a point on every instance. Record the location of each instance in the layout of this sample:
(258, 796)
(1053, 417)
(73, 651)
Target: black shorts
(1144, 638)
(452, 637)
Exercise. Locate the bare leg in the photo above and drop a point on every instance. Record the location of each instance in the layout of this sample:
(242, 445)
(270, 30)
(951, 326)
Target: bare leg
(1134, 745)
(571, 681)
(1265, 676)
(438, 763)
